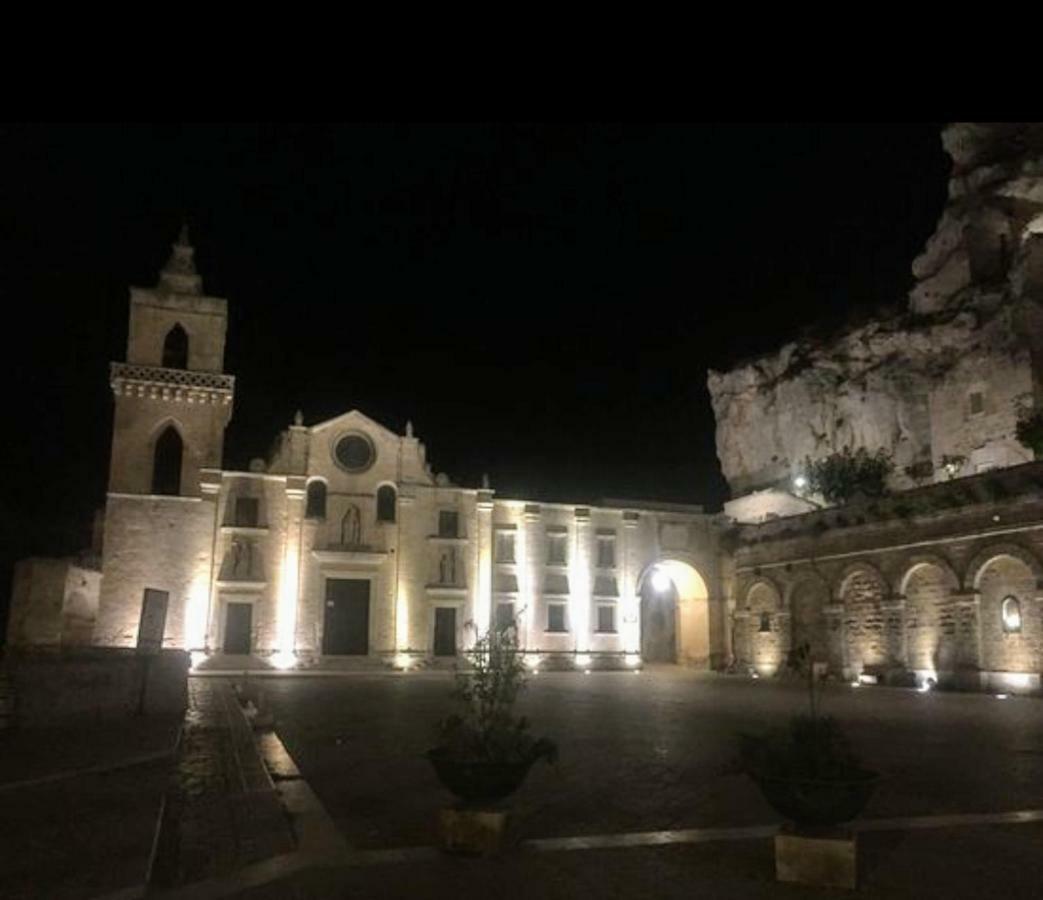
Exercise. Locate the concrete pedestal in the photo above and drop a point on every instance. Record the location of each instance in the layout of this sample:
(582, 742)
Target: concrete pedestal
(823, 856)
(475, 832)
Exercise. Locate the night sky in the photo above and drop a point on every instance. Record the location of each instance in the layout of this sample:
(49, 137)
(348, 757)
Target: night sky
(543, 301)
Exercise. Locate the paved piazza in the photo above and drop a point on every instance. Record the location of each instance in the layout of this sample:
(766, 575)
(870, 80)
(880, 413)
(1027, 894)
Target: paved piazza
(647, 751)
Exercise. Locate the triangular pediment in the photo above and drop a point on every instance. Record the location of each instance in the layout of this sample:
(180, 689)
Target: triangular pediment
(353, 419)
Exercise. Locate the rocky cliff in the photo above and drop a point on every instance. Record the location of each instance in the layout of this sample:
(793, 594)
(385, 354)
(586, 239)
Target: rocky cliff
(945, 379)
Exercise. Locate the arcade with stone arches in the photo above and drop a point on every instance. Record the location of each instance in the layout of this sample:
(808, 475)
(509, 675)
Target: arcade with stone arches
(972, 617)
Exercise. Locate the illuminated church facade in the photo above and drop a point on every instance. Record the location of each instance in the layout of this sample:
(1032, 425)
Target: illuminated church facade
(344, 547)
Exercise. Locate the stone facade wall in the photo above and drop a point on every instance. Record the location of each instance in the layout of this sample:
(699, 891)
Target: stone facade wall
(163, 543)
(153, 313)
(53, 602)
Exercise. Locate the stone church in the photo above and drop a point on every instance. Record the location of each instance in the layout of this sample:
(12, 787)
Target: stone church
(343, 548)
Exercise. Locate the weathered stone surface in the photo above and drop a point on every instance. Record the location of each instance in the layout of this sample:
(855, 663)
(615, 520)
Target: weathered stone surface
(948, 378)
(825, 858)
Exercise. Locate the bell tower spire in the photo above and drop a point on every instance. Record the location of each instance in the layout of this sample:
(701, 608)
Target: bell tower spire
(179, 275)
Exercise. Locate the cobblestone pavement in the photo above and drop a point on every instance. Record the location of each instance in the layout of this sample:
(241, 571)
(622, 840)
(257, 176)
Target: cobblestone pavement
(81, 836)
(647, 751)
(957, 864)
(222, 811)
(39, 753)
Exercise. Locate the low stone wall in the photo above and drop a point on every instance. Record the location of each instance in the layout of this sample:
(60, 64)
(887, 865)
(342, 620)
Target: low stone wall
(57, 687)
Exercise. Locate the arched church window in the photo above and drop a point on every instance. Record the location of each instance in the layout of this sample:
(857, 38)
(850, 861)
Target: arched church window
(175, 349)
(765, 623)
(386, 504)
(316, 508)
(166, 463)
(1011, 613)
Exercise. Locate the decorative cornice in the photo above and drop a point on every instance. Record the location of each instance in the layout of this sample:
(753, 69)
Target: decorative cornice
(180, 385)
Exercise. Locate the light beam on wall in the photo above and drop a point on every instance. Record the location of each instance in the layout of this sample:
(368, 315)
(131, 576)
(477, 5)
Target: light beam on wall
(286, 620)
(195, 613)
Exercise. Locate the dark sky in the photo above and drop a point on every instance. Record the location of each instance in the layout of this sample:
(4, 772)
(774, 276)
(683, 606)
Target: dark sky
(543, 301)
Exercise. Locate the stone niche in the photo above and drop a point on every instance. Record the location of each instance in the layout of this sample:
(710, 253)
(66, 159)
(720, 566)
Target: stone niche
(946, 378)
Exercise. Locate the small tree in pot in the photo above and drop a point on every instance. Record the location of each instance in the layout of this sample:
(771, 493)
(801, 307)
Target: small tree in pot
(810, 775)
(807, 770)
(485, 750)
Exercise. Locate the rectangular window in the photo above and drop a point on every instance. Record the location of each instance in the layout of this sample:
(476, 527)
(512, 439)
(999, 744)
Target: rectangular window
(556, 617)
(504, 616)
(606, 619)
(977, 403)
(448, 523)
(505, 546)
(606, 551)
(246, 512)
(556, 554)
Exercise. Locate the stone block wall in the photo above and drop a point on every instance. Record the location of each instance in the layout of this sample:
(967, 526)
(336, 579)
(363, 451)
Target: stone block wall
(160, 543)
(53, 688)
(884, 590)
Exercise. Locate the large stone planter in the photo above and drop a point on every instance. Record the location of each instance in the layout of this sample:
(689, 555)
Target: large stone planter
(471, 831)
(816, 802)
(479, 781)
(825, 857)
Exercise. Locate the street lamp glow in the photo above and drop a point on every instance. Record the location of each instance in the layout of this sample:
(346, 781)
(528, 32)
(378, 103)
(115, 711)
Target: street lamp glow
(661, 581)
(800, 482)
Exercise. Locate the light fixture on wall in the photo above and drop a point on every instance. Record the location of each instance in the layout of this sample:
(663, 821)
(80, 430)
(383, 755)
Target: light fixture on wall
(1011, 612)
(661, 582)
(800, 482)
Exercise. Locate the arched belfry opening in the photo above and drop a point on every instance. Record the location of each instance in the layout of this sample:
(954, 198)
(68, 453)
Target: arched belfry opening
(175, 348)
(675, 617)
(166, 463)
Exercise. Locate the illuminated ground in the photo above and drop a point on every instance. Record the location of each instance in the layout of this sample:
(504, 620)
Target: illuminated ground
(647, 751)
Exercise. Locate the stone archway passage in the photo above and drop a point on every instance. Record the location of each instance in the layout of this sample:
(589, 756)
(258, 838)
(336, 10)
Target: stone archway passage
(675, 622)
(658, 623)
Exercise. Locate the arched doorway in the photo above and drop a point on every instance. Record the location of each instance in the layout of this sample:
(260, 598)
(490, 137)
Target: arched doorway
(675, 619)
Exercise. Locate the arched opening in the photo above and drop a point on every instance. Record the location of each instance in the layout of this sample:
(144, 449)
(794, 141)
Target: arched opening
(807, 600)
(386, 503)
(675, 618)
(175, 349)
(930, 632)
(1009, 637)
(871, 638)
(166, 463)
(316, 504)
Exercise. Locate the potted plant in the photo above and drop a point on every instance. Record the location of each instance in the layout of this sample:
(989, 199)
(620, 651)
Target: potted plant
(807, 769)
(485, 750)
(808, 772)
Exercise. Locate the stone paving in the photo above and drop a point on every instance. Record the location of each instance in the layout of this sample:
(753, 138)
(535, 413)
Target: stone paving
(222, 810)
(648, 751)
(79, 805)
(957, 864)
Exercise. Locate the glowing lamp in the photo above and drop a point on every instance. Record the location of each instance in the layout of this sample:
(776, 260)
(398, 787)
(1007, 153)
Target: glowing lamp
(800, 482)
(284, 660)
(661, 582)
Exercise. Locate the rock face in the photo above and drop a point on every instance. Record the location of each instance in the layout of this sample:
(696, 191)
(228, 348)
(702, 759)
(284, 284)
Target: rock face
(940, 387)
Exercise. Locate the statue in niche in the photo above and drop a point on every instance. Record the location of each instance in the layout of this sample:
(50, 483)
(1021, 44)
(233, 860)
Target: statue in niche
(242, 557)
(447, 567)
(351, 527)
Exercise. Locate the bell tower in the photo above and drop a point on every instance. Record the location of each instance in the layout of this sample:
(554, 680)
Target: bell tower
(173, 400)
